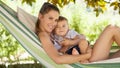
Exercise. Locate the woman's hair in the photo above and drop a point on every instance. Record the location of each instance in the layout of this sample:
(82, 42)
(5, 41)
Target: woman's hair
(61, 18)
(46, 7)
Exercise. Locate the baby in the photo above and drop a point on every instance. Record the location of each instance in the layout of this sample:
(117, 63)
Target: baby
(69, 41)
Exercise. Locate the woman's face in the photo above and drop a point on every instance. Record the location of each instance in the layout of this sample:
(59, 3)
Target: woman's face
(62, 28)
(48, 21)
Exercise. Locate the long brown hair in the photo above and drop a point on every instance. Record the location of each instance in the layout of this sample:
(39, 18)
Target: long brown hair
(46, 7)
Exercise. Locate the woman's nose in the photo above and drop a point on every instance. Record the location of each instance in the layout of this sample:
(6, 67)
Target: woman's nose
(54, 23)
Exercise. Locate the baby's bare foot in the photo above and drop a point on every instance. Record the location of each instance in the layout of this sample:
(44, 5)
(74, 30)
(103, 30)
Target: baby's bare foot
(75, 52)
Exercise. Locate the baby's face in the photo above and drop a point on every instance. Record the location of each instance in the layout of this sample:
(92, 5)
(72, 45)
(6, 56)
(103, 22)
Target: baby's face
(62, 28)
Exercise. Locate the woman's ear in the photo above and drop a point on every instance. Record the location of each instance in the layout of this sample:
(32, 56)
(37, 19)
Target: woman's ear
(40, 16)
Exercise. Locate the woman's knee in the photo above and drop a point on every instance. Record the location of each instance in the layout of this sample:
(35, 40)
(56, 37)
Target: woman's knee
(111, 27)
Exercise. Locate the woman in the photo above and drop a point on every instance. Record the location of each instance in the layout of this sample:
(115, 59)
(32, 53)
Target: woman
(47, 21)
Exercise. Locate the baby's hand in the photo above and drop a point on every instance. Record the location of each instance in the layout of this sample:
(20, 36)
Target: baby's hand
(65, 42)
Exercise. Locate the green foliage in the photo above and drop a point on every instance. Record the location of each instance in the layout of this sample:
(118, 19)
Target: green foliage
(116, 6)
(9, 47)
(76, 24)
(28, 1)
(95, 30)
(99, 6)
(61, 3)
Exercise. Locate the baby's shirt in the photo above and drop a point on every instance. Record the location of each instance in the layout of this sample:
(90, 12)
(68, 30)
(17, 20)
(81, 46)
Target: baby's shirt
(70, 35)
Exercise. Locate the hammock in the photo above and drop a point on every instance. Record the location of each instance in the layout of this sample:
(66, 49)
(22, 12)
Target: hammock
(28, 39)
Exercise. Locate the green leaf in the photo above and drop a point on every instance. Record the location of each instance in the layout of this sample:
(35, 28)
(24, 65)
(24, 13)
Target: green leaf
(119, 11)
(28, 1)
(97, 13)
(115, 7)
(112, 4)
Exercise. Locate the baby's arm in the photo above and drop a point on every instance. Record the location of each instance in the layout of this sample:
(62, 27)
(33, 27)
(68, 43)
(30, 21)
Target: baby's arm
(66, 43)
(70, 42)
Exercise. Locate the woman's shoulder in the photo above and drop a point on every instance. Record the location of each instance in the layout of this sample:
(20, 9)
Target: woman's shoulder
(44, 37)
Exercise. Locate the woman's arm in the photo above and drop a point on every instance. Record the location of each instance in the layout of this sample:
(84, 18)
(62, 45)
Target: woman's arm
(54, 54)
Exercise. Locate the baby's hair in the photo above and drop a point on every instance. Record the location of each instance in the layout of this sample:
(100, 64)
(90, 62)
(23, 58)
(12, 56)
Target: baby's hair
(61, 18)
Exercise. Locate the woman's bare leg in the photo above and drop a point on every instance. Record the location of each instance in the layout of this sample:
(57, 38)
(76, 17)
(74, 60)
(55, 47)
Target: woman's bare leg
(102, 46)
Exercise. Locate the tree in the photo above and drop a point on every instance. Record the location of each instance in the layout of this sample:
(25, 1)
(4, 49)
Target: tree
(99, 6)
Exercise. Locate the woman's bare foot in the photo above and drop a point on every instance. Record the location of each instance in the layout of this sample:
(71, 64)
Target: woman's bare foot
(75, 52)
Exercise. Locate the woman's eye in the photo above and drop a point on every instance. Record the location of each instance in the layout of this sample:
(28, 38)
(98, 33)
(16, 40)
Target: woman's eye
(50, 18)
(56, 20)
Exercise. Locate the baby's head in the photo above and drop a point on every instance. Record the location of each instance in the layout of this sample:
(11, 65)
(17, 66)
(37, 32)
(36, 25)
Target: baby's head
(62, 26)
